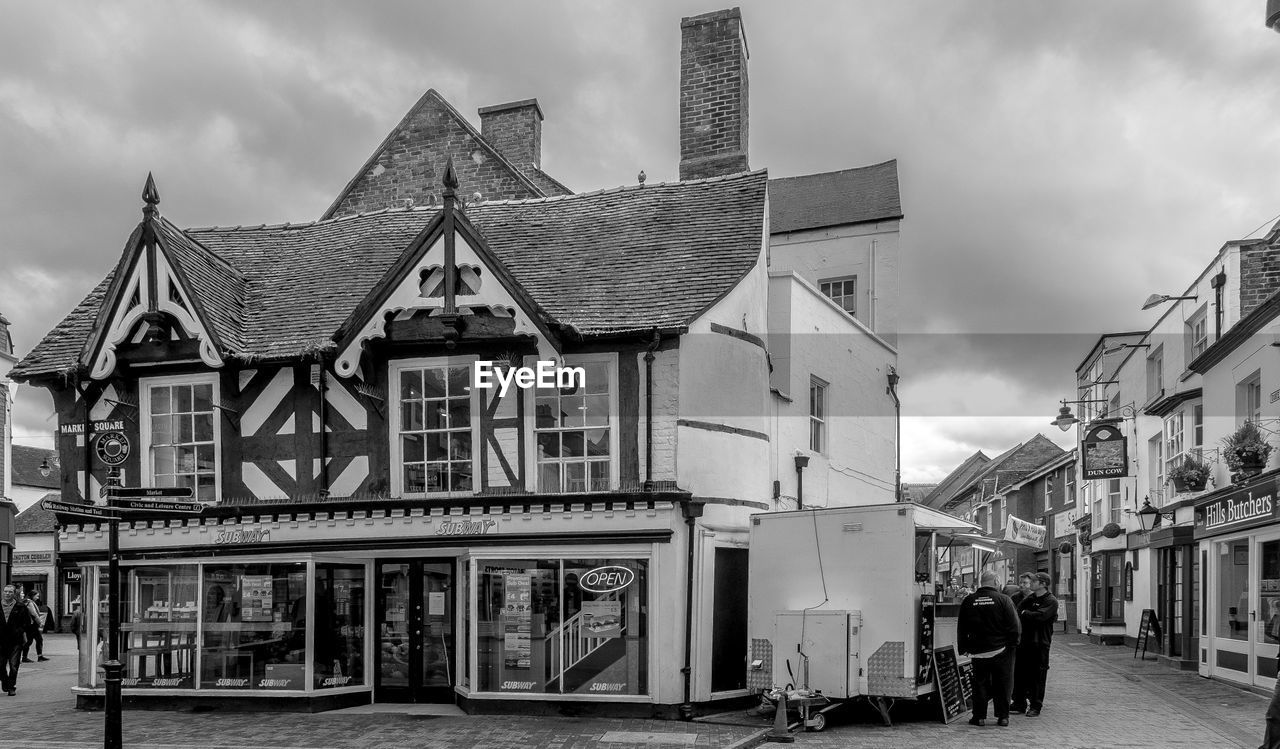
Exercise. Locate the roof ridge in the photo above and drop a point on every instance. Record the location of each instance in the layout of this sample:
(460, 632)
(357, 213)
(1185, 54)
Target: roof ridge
(432, 208)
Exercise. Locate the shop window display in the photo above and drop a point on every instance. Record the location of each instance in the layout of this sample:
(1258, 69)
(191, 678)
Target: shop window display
(563, 627)
(158, 627)
(254, 625)
(339, 626)
(1233, 590)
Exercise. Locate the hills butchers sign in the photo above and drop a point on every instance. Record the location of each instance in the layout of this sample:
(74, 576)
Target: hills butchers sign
(1240, 509)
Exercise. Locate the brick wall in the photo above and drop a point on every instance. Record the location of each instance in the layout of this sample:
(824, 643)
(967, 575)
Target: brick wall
(1259, 275)
(410, 166)
(514, 129)
(713, 95)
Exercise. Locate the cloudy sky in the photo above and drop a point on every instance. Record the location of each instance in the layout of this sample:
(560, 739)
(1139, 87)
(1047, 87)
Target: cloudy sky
(1058, 161)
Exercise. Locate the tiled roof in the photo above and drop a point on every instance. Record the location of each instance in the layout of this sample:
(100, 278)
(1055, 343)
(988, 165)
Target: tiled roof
(957, 479)
(26, 467)
(626, 259)
(36, 519)
(218, 288)
(851, 196)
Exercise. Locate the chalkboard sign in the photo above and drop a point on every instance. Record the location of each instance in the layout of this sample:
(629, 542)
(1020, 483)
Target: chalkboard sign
(966, 683)
(947, 676)
(1149, 626)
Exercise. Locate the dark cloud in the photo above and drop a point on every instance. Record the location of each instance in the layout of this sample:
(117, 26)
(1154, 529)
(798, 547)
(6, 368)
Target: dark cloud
(1058, 161)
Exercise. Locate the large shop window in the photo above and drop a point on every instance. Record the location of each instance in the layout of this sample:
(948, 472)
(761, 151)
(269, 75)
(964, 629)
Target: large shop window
(1108, 588)
(254, 622)
(339, 630)
(433, 447)
(180, 433)
(574, 432)
(572, 626)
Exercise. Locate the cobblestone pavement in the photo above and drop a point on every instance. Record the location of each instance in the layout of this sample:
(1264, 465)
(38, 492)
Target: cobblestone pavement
(1097, 697)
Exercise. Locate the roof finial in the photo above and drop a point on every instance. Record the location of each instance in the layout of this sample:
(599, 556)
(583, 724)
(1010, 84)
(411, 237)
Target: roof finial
(450, 180)
(150, 196)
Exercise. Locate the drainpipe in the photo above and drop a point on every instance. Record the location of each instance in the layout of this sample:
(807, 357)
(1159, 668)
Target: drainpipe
(692, 509)
(802, 462)
(892, 390)
(322, 384)
(648, 409)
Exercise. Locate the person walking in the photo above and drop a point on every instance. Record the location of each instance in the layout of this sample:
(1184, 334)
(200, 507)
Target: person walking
(43, 623)
(988, 632)
(15, 622)
(33, 626)
(76, 626)
(1038, 613)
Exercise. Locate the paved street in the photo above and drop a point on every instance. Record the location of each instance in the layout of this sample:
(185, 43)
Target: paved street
(1098, 697)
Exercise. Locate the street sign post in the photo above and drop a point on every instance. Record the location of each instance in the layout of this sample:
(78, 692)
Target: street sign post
(150, 492)
(88, 511)
(152, 505)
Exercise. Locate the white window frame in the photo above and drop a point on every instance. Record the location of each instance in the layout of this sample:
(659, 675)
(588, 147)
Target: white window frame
(530, 423)
(145, 385)
(1114, 500)
(393, 422)
(1197, 334)
(1197, 430)
(1069, 498)
(816, 421)
(839, 301)
(1048, 491)
(1155, 374)
(1174, 438)
(1249, 398)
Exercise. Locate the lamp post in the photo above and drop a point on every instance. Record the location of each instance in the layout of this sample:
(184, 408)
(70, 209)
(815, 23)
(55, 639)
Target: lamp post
(892, 391)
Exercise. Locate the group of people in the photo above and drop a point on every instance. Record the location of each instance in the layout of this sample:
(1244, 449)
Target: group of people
(1007, 635)
(23, 622)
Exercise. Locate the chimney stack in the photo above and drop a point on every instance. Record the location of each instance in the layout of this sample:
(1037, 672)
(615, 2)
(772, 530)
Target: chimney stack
(713, 95)
(515, 129)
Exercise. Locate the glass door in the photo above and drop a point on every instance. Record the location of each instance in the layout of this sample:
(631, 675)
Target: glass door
(416, 647)
(1266, 635)
(1229, 628)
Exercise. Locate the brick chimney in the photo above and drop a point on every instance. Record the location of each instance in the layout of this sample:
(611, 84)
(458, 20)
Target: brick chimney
(515, 129)
(713, 95)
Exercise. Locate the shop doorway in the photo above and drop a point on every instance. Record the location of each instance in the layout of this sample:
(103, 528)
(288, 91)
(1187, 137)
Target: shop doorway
(415, 631)
(729, 622)
(1246, 628)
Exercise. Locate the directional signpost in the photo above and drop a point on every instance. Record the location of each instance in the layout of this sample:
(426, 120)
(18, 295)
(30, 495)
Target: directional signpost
(123, 501)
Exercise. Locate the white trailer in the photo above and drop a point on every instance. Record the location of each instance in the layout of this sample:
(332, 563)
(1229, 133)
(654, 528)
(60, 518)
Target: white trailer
(850, 601)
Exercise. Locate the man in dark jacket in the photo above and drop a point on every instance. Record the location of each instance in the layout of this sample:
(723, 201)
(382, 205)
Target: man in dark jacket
(1038, 612)
(15, 622)
(988, 632)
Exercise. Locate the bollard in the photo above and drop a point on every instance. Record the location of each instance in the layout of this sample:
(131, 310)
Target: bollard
(780, 734)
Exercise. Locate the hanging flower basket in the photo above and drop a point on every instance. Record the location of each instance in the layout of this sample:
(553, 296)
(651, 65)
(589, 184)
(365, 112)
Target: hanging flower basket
(1065, 548)
(1246, 450)
(1190, 475)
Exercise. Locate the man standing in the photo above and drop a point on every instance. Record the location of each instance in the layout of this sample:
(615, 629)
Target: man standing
(988, 631)
(42, 620)
(1038, 612)
(15, 621)
(1019, 702)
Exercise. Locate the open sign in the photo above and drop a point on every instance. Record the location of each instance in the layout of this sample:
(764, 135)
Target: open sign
(606, 579)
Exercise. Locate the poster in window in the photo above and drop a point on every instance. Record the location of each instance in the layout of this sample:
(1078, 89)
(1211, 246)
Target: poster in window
(1105, 451)
(602, 619)
(518, 619)
(255, 598)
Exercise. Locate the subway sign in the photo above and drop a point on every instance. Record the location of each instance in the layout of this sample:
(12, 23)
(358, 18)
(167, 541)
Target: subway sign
(1240, 508)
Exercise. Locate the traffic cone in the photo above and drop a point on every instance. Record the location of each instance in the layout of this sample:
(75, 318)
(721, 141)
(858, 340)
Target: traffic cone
(780, 733)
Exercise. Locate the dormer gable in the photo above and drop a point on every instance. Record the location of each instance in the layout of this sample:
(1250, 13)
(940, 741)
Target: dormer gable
(449, 275)
(166, 291)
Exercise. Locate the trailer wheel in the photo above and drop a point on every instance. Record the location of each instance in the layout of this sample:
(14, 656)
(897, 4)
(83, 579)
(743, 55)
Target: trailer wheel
(817, 722)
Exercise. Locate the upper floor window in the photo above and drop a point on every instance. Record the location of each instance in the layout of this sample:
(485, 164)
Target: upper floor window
(1155, 453)
(1173, 441)
(180, 433)
(1070, 499)
(817, 415)
(1155, 374)
(1197, 429)
(842, 291)
(574, 430)
(997, 515)
(1048, 490)
(1113, 501)
(1197, 334)
(1249, 398)
(433, 427)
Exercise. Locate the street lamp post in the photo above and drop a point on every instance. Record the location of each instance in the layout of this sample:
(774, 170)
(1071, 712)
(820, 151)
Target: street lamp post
(113, 667)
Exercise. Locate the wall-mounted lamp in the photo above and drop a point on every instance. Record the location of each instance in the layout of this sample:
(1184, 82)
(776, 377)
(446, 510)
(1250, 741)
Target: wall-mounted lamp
(1273, 15)
(1066, 419)
(1155, 300)
(1122, 346)
(1149, 518)
(46, 467)
(1088, 385)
